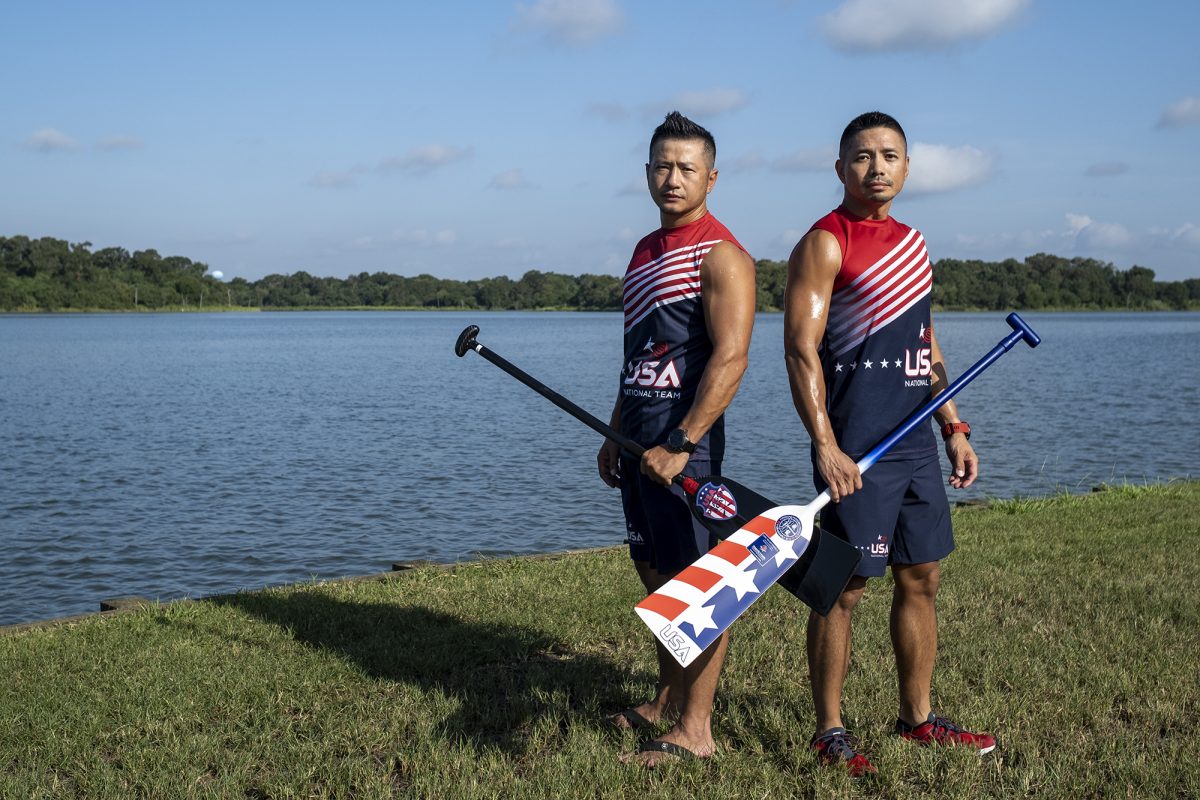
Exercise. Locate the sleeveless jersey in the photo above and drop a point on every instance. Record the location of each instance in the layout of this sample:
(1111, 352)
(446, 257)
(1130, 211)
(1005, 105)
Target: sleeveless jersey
(666, 340)
(876, 350)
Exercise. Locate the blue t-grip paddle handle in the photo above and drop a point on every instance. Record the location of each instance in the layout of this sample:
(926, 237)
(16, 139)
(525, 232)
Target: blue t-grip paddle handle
(1021, 330)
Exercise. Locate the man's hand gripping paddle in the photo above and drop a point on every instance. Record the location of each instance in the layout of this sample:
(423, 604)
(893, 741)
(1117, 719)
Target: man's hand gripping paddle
(700, 603)
(822, 569)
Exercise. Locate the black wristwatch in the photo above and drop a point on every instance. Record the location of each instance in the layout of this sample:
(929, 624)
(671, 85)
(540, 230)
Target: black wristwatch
(678, 442)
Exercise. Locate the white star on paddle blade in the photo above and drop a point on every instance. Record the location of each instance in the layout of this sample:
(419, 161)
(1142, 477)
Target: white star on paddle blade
(787, 550)
(699, 617)
(742, 583)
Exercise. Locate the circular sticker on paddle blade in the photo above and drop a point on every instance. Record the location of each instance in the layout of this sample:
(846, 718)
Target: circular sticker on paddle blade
(788, 527)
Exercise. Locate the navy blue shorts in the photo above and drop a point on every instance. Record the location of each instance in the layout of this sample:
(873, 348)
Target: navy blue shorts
(662, 531)
(899, 516)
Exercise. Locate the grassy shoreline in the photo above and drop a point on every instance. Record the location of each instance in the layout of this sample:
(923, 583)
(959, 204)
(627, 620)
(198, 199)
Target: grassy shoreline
(1069, 626)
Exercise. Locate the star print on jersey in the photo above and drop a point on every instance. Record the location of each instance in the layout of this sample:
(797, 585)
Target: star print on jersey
(872, 364)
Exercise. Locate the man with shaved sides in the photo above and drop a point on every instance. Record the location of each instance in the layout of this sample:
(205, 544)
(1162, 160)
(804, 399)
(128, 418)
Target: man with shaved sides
(689, 298)
(861, 357)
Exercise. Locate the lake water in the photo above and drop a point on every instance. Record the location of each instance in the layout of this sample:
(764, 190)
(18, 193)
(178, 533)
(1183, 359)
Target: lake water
(171, 455)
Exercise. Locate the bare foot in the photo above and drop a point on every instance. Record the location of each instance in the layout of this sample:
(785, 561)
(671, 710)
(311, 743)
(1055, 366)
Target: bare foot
(647, 715)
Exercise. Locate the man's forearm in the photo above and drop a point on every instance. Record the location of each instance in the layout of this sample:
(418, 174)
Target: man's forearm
(807, 381)
(614, 420)
(722, 377)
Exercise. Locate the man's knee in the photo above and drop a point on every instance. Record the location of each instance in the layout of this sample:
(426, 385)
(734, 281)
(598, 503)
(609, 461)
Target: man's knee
(850, 596)
(917, 581)
(652, 579)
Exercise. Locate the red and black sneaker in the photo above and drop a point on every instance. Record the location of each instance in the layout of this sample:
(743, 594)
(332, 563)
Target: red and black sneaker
(839, 746)
(939, 730)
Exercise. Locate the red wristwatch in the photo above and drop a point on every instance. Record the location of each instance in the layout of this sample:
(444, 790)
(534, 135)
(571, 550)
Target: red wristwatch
(951, 428)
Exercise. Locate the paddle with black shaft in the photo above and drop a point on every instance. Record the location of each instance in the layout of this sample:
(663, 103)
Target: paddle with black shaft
(695, 607)
(723, 506)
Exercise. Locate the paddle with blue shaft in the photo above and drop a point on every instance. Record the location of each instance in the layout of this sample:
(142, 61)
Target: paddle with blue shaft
(723, 506)
(695, 607)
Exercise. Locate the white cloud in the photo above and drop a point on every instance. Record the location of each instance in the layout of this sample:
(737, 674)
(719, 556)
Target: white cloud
(708, 103)
(811, 159)
(510, 179)
(570, 22)
(888, 25)
(111, 143)
(1090, 233)
(1186, 234)
(425, 159)
(936, 168)
(1189, 234)
(1106, 169)
(49, 140)
(1181, 113)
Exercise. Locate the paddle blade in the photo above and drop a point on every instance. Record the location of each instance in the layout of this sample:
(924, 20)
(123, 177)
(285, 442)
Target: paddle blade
(695, 607)
(817, 579)
(820, 575)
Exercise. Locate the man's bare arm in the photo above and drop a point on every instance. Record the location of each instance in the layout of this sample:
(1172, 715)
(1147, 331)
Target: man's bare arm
(812, 269)
(964, 464)
(607, 459)
(728, 294)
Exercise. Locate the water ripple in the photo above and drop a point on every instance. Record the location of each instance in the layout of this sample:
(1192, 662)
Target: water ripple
(186, 455)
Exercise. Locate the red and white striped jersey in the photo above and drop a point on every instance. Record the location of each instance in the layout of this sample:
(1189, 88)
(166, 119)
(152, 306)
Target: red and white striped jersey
(876, 350)
(666, 339)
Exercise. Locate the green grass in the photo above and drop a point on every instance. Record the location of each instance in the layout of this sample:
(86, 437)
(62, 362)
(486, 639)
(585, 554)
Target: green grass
(1070, 627)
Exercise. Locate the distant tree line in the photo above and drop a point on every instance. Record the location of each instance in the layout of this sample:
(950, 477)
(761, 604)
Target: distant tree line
(1040, 282)
(51, 274)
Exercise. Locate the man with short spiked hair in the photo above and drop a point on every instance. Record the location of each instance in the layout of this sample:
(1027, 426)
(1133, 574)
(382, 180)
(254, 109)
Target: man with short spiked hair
(689, 299)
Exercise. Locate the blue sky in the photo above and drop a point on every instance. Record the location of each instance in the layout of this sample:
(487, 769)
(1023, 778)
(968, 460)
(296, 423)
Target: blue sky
(469, 140)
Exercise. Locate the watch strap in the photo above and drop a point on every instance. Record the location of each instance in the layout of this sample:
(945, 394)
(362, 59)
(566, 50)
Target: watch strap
(951, 428)
(678, 442)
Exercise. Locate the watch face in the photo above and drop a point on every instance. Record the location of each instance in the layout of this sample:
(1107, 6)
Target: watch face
(677, 440)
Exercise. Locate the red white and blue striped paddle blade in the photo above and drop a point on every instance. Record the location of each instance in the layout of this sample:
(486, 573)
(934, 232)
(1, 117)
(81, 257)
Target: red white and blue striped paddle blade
(692, 609)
